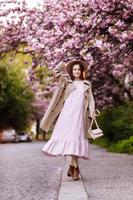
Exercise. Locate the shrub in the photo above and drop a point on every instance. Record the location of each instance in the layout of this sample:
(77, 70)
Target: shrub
(117, 122)
(122, 146)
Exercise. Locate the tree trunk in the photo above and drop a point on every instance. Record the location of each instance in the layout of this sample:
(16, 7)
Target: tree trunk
(37, 129)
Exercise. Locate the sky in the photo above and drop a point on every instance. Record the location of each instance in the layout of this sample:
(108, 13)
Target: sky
(6, 5)
(31, 3)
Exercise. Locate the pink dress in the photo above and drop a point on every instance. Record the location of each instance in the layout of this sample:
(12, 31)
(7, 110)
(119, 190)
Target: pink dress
(68, 134)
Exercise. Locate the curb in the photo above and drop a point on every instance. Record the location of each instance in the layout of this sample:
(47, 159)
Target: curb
(71, 190)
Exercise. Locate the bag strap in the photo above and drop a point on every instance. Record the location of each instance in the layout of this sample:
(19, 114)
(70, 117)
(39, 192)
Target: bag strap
(93, 120)
(96, 123)
(98, 112)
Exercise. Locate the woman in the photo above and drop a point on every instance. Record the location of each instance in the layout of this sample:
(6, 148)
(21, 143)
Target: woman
(70, 111)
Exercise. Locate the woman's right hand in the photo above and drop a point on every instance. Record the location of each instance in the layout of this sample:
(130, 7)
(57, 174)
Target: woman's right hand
(63, 65)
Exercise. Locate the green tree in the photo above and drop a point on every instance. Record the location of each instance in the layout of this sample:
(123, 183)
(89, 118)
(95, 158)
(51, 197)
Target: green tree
(15, 99)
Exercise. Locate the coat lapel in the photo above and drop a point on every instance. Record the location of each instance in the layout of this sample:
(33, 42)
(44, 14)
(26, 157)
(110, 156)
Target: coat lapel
(86, 86)
(72, 87)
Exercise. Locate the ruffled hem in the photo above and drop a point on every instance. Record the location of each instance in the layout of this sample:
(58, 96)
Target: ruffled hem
(63, 147)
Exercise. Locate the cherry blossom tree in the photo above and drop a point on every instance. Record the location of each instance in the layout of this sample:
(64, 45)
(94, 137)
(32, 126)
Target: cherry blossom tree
(97, 31)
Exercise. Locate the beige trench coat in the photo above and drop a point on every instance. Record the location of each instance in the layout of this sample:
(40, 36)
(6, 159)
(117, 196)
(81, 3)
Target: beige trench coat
(61, 93)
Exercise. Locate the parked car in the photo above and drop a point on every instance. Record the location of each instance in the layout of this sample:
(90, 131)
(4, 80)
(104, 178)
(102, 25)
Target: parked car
(23, 137)
(8, 135)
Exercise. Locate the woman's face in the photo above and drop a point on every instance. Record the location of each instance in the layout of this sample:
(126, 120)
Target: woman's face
(76, 71)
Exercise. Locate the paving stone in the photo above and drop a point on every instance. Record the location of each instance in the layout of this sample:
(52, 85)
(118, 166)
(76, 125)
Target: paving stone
(107, 176)
(27, 174)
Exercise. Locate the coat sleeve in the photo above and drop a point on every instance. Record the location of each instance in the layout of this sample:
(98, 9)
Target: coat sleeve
(58, 72)
(91, 102)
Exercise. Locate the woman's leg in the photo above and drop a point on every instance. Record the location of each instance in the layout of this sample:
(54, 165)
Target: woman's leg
(71, 166)
(74, 161)
(76, 168)
(70, 160)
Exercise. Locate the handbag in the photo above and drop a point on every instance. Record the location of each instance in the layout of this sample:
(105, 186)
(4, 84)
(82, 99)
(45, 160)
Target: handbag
(95, 133)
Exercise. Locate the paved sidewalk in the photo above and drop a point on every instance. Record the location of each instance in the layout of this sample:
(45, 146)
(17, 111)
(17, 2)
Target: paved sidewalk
(71, 190)
(106, 176)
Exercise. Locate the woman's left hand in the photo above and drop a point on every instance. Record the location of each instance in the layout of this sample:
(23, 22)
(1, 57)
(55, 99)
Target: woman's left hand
(96, 113)
(93, 116)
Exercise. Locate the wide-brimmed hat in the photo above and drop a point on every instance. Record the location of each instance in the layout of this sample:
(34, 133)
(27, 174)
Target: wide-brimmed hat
(71, 63)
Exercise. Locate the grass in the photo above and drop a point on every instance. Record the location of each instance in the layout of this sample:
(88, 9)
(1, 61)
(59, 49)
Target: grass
(122, 146)
(101, 142)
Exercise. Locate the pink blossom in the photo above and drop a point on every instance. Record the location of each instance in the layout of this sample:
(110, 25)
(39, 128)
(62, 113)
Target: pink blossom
(97, 31)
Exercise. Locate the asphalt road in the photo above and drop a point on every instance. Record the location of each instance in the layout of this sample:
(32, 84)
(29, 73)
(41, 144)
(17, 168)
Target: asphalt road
(27, 174)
